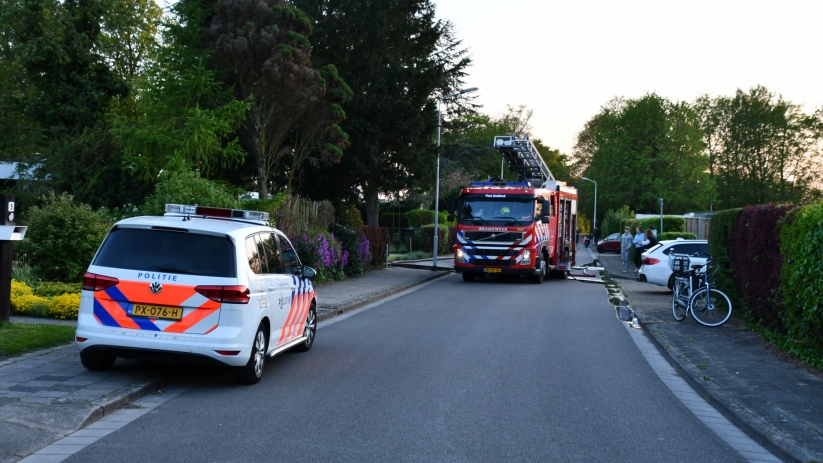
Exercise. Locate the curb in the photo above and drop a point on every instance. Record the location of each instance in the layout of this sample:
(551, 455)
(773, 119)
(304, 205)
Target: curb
(761, 437)
(107, 408)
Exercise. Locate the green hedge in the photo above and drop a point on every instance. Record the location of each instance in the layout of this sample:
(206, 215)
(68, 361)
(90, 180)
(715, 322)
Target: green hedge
(801, 281)
(754, 254)
(671, 224)
(419, 218)
(719, 232)
(676, 235)
(416, 218)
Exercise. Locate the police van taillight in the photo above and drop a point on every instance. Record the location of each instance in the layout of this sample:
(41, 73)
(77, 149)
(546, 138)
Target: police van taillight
(94, 282)
(227, 294)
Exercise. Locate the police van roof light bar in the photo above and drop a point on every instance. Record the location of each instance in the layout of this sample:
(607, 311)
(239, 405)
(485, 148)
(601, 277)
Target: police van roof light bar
(175, 209)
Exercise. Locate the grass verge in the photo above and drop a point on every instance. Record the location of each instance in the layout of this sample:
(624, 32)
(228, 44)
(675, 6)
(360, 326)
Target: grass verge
(19, 338)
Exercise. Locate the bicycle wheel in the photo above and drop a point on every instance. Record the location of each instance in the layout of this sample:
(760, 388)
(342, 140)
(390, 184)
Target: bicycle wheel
(710, 308)
(680, 299)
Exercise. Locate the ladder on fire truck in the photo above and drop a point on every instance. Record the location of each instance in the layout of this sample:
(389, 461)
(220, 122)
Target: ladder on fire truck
(523, 158)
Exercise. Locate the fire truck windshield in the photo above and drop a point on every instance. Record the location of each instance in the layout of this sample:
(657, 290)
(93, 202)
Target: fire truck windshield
(502, 210)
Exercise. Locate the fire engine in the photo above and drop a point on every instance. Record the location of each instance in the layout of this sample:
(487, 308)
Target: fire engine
(524, 227)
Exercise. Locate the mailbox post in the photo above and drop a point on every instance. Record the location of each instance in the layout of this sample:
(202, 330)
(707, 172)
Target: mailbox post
(8, 232)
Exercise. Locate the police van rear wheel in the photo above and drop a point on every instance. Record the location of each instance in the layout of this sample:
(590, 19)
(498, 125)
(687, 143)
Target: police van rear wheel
(97, 360)
(251, 372)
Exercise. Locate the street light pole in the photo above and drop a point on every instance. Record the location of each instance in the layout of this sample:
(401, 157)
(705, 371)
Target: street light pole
(437, 182)
(594, 220)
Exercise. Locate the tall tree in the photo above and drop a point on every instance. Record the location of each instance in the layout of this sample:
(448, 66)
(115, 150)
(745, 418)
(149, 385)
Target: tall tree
(185, 117)
(264, 50)
(641, 150)
(317, 136)
(68, 90)
(761, 148)
(393, 56)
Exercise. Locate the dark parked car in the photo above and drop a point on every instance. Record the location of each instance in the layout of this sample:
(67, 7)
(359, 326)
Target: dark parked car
(609, 244)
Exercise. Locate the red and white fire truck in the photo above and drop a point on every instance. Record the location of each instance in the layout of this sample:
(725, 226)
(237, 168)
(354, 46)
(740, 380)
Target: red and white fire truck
(525, 227)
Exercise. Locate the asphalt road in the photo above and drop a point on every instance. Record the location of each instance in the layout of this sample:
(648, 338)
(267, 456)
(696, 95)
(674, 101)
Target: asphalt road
(489, 371)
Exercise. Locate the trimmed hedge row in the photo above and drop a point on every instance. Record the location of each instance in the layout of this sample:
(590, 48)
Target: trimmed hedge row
(754, 254)
(770, 260)
(801, 282)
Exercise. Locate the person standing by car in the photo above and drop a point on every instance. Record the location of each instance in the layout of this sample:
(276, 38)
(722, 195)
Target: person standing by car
(626, 244)
(595, 235)
(638, 247)
(650, 239)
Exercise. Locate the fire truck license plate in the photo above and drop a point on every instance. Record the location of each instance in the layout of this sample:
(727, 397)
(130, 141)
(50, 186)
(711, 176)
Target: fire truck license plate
(155, 311)
(491, 270)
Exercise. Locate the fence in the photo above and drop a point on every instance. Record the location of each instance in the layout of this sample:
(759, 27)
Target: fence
(699, 225)
(296, 215)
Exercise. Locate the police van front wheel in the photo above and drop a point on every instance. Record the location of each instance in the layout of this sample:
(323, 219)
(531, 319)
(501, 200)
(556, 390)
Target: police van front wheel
(251, 372)
(309, 330)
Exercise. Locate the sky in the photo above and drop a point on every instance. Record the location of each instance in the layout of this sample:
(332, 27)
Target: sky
(566, 59)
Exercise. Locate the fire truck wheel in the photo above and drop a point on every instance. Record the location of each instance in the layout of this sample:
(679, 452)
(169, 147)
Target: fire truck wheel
(468, 277)
(537, 279)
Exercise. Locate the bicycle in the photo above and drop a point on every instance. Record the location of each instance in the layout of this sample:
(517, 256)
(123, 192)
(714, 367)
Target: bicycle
(693, 292)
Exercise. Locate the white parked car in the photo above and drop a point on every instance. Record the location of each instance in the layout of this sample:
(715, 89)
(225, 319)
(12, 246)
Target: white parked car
(655, 260)
(197, 285)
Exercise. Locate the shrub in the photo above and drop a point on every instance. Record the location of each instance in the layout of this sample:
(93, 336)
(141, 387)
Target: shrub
(30, 305)
(801, 281)
(442, 238)
(350, 217)
(188, 187)
(55, 288)
(356, 245)
(62, 237)
(676, 235)
(670, 224)
(613, 220)
(19, 288)
(754, 254)
(65, 306)
(22, 271)
(264, 205)
(323, 252)
(719, 231)
(24, 302)
(416, 218)
(379, 238)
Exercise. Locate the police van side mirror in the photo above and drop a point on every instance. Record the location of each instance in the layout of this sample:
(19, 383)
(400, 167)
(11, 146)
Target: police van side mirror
(308, 272)
(544, 219)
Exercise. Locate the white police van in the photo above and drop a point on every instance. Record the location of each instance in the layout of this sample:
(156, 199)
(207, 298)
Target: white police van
(198, 285)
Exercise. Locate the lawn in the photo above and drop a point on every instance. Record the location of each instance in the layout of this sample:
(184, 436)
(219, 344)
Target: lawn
(19, 338)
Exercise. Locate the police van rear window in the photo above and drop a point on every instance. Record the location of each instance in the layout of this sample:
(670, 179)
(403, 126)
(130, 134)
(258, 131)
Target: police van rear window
(168, 252)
